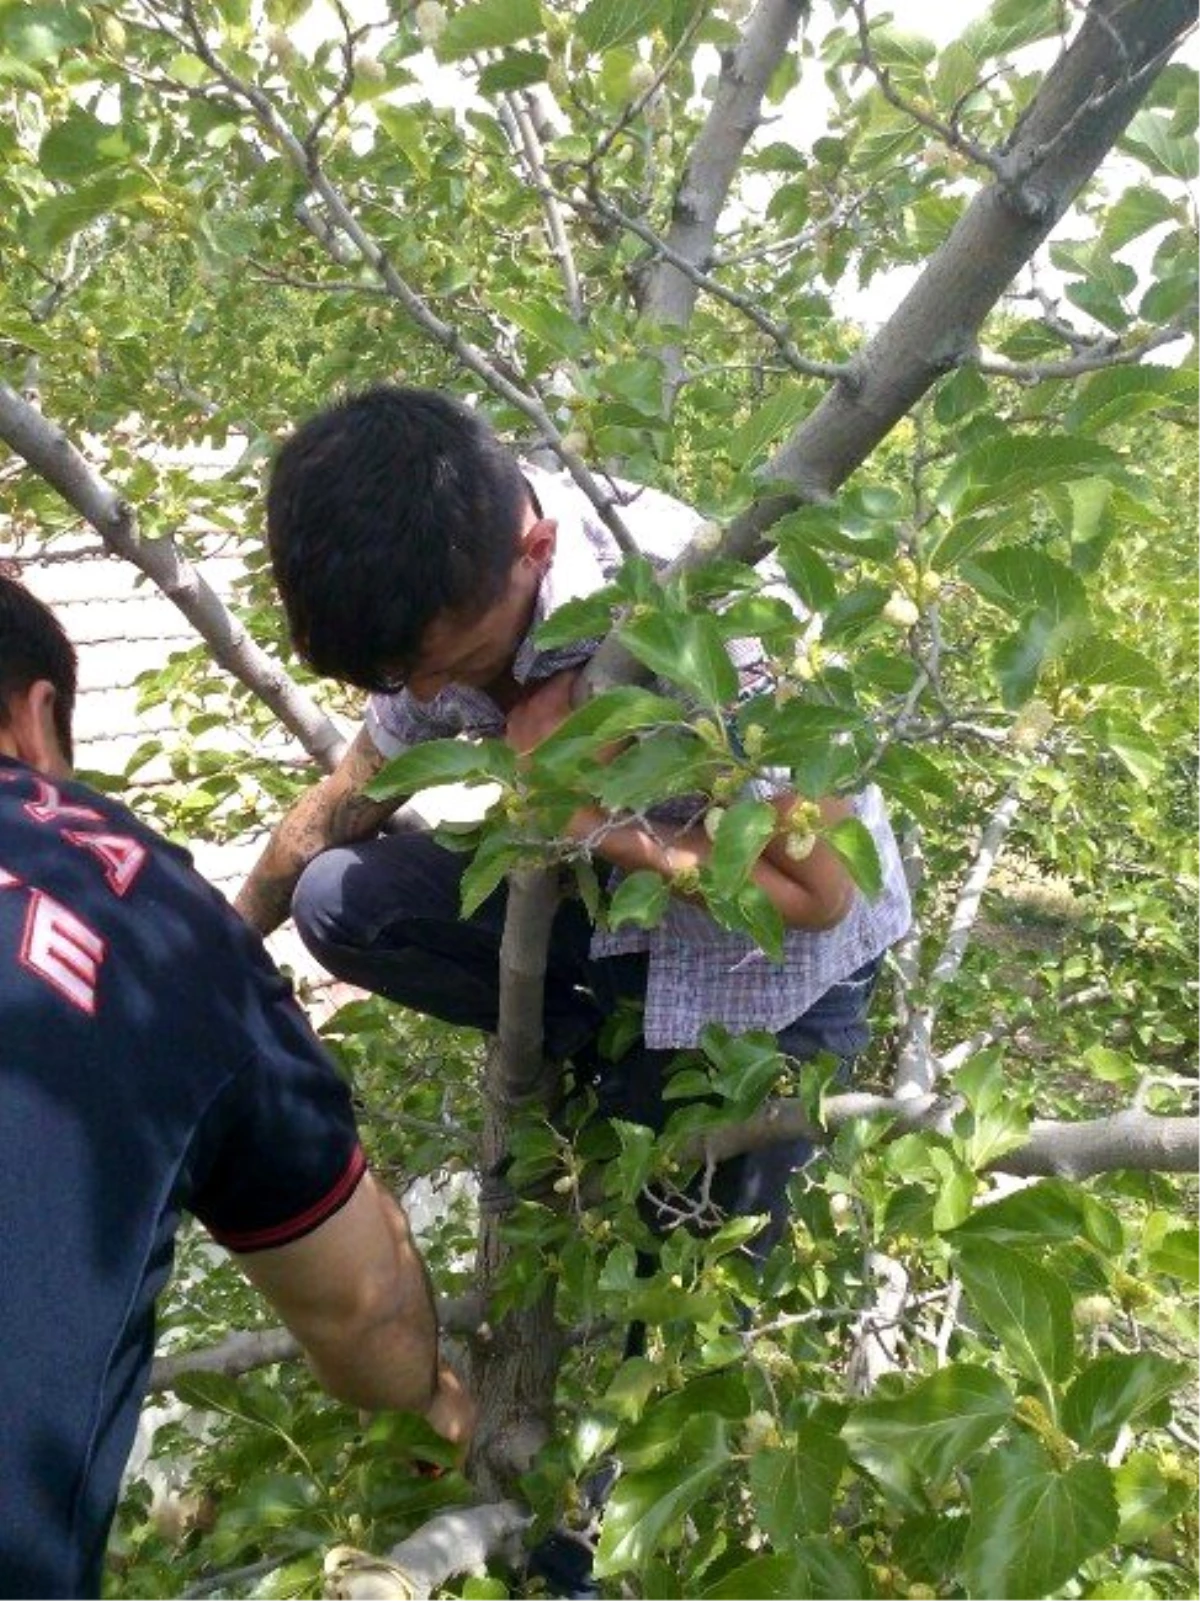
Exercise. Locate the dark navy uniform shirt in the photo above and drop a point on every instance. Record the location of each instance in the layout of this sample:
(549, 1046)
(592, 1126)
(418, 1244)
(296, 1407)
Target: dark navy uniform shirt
(152, 1059)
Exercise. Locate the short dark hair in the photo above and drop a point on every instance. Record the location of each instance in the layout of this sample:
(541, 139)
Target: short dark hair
(385, 511)
(33, 646)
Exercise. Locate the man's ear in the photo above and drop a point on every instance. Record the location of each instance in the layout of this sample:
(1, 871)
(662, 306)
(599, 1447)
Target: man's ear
(538, 543)
(30, 734)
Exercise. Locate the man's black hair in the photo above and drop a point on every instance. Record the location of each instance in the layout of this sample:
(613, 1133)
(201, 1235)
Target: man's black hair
(33, 646)
(385, 511)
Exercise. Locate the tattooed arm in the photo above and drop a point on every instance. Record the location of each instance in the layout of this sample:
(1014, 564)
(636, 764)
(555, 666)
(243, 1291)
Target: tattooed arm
(333, 812)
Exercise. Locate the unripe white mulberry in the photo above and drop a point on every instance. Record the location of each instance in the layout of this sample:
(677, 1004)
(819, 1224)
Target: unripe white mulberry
(657, 111)
(369, 69)
(1031, 727)
(641, 76)
(575, 443)
(800, 846)
(712, 820)
(900, 611)
(430, 20)
(707, 537)
(281, 47)
(738, 10)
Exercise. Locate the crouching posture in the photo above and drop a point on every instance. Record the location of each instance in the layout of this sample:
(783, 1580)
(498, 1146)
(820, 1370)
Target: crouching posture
(416, 557)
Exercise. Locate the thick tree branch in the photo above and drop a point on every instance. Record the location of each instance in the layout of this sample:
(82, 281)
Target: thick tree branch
(670, 291)
(459, 1541)
(48, 451)
(1128, 1141)
(247, 1349)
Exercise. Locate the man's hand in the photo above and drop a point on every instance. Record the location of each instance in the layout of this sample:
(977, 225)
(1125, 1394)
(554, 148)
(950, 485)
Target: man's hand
(452, 1412)
(540, 711)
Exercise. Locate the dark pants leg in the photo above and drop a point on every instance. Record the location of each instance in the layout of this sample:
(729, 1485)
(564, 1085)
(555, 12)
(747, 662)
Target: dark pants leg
(384, 915)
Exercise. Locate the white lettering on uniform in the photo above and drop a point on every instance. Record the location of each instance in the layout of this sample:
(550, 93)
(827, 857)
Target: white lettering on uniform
(49, 807)
(62, 949)
(123, 857)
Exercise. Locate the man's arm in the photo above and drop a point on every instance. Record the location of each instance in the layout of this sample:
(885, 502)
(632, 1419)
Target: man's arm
(333, 812)
(355, 1294)
(812, 891)
(815, 893)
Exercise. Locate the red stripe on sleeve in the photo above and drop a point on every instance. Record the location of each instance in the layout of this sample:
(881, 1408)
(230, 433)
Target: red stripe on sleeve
(304, 1222)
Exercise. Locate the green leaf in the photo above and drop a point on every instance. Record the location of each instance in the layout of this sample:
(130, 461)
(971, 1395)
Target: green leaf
(585, 617)
(796, 725)
(742, 833)
(769, 422)
(757, 916)
(1016, 464)
(1146, 1498)
(495, 858)
(558, 329)
(1021, 580)
(516, 69)
(1115, 1390)
(809, 574)
(41, 31)
(1032, 1527)
(855, 845)
(59, 219)
(1137, 211)
(1051, 1210)
(443, 761)
(810, 1571)
(1018, 660)
(1178, 1255)
(1027, 1308)
(907, 775)
(640, 899)
(794, 1490)
(916, 1440)
(1096, 660)
(1137, 750)
(488, 25)
(608, 23)
(655, 768)
(1168, 155)
(1123, 392)
(79, 145)
(655, 1436)
(409, 132)
(1009, 24)
(687, 649)
(646, 1511)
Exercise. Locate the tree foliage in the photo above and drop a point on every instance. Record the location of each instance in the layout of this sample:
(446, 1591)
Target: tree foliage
(641, 232)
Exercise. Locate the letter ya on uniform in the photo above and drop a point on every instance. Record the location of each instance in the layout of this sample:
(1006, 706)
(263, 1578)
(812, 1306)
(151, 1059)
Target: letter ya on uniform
(56, 944)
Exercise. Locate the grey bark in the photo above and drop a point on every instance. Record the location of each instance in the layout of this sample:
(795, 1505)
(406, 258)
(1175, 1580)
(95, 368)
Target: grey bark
(1128, 1141)
(669, 295)
(244, 1350)
(1076, 117)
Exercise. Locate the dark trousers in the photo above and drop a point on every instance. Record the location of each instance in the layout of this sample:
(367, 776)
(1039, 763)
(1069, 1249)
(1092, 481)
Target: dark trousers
(384, 915)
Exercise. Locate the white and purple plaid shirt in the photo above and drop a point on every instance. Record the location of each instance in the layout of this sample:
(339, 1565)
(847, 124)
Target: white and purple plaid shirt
(698, 972)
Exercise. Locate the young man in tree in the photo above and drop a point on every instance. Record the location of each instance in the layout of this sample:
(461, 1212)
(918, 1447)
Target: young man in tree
(416, 557)
(153, 1060)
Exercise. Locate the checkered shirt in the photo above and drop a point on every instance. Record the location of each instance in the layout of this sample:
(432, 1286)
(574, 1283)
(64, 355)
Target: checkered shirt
(698, 972)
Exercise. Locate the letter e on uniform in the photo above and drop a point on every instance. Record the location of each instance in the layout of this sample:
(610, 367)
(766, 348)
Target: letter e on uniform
(60, 948)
